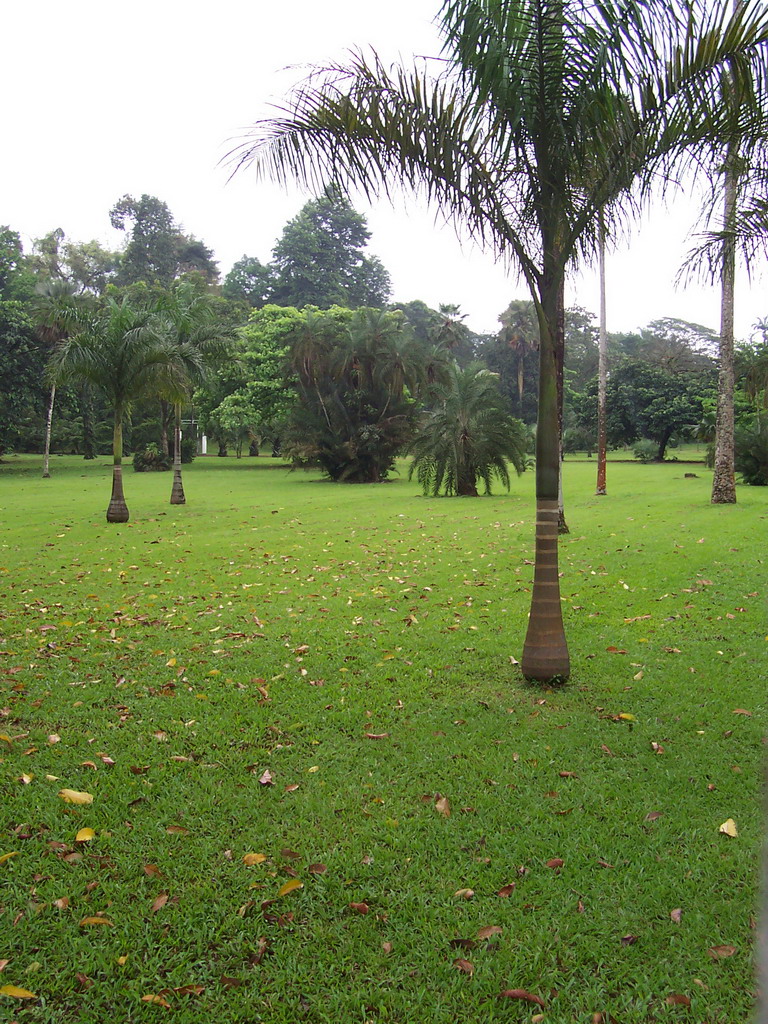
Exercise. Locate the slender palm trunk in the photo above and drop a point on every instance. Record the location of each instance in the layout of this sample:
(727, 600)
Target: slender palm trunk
(48, 422)
(545, 653)
(117, 512)
(89, 436)
(602, 367)
(165, 419)
(177, 490)
(562, 525)
(724, 481)
(520, 379)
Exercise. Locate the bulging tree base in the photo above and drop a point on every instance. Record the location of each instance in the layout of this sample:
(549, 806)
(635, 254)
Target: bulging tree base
(177, 491)
(117, 512)
(545, 654)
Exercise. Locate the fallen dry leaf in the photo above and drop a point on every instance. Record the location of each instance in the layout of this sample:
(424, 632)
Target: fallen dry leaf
(190, 990)
(157, 1000)
(464, 894)
(292, 787)
(72, 796)
(3, 965)
(507, 890)
(442, 806)
(676, 915)
(317, 869)
(177, 830)
(376, 735)
(290, 886)
(676, 999)
(85, 835)
(16, 993)
(728, 828)
(159, 902)
(555, 863)
(287, 854)
(95, 920)
(62, 903)
(654, 815)
(720, 952)
(361, 908)
(741, 711)
(254, 858)
(152, 871)
(386, 947)
(7, 856)
(83, 980)
(520, 993)
(489, 930)
(464, 965)
(265, 779)
(628, 940)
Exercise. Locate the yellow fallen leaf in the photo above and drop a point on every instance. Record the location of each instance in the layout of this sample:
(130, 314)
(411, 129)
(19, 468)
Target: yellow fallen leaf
(442, 806)
(729, 828)
(157, 1000)
(72, 796)
(170, 663)
(122, 960)
(626, 717)
(6, 738)
(26, 779)
(85, 835)
(290, 886)
(95, 920)
(254, 858)
(16, 993)
(7, 856)
(314, 768)
(52, 778)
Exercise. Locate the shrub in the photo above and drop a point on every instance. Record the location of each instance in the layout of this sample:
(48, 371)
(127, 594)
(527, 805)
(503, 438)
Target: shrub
(752, 451)
(646, 451)
(151, 459)
(188, 449)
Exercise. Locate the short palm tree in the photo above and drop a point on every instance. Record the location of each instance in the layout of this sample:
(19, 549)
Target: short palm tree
(467, 437)
(532, 92)
(121, 351)
(197, 337)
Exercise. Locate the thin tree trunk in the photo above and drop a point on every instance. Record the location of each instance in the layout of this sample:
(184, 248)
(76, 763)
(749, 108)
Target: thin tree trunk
(724, 480)
(602, 367)
(48, 422)
(117, 512)
(165, 416)
(562, 525)
(177, 490)
(545, 653)
(89, 437)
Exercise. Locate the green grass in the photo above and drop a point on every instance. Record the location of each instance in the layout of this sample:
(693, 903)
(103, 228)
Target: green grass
(269, 625)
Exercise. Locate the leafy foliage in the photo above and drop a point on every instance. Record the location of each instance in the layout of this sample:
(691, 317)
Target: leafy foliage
(752, 450)
(467, 437)
(151, 459)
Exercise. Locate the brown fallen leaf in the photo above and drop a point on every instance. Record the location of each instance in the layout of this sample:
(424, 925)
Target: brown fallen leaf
(464, 965)
(741, 711)
(152, 871)
(265, 779)
(462, 944)
(228, 982)
(676, 999)
(506, 890)
(136, 769)
(654, 815)
(676, 915)
(177, 830)
(3, 965)
(520, 993)
(254, 858)
(292, 787)
(555, 863)
(376, 735)
(83, 980)
(605, 864)
(62, 903)
(290, 855)
(720, 952)
(386, 947)
(361, 908)
(628, 940)
(159, 902)
(317, 869)
(568, 775)
(489, 930)
(464, 894)
(190, 990)
(156, 1000)
(86, 921)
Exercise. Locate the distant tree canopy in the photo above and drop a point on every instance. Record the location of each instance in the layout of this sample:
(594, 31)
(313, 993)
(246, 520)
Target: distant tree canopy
(157, 251)
(319, 260)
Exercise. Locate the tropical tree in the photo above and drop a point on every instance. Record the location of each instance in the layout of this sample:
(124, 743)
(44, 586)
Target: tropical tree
(520, 332)
(467, 436)
(533, 91)
(198, 337)
(121, 351)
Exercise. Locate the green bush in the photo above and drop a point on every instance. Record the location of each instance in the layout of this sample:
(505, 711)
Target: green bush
(151, 459)
(646, 451)
(188, 449)
(752, 451)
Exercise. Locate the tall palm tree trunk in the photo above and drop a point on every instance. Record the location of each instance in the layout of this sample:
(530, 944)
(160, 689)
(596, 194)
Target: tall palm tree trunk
(724, 480)
(48, 422)
(545, 653)
(562, 525)
(117, 512)
(602, 366)
(177, 490)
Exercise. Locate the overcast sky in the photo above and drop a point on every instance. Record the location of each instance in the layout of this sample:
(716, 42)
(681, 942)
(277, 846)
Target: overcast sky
(102, 98)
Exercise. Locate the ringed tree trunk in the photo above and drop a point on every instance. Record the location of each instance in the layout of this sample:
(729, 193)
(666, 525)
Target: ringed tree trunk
(117, 511)
(602, 367)
(166, 417)
(177, 490)
(724, 480)
(545, 653)
(89, 436)
(562, 525)
(48, 422)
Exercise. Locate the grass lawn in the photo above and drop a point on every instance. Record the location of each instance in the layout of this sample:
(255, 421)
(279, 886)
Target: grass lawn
(321, 790)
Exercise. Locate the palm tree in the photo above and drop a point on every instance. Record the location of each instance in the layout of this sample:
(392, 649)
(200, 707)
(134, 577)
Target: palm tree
(520, 330)
(121, 351)
(54, 309)
(198, 337)
(533, 91)
(467, 437)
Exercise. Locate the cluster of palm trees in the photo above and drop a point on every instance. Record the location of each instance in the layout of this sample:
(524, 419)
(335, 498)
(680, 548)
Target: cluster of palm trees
(547, 119)
(130, 350)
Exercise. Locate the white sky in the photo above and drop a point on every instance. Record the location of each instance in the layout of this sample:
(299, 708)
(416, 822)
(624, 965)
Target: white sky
(107, 97)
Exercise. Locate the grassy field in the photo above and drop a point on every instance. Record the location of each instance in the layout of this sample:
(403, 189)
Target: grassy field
(321, 790)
